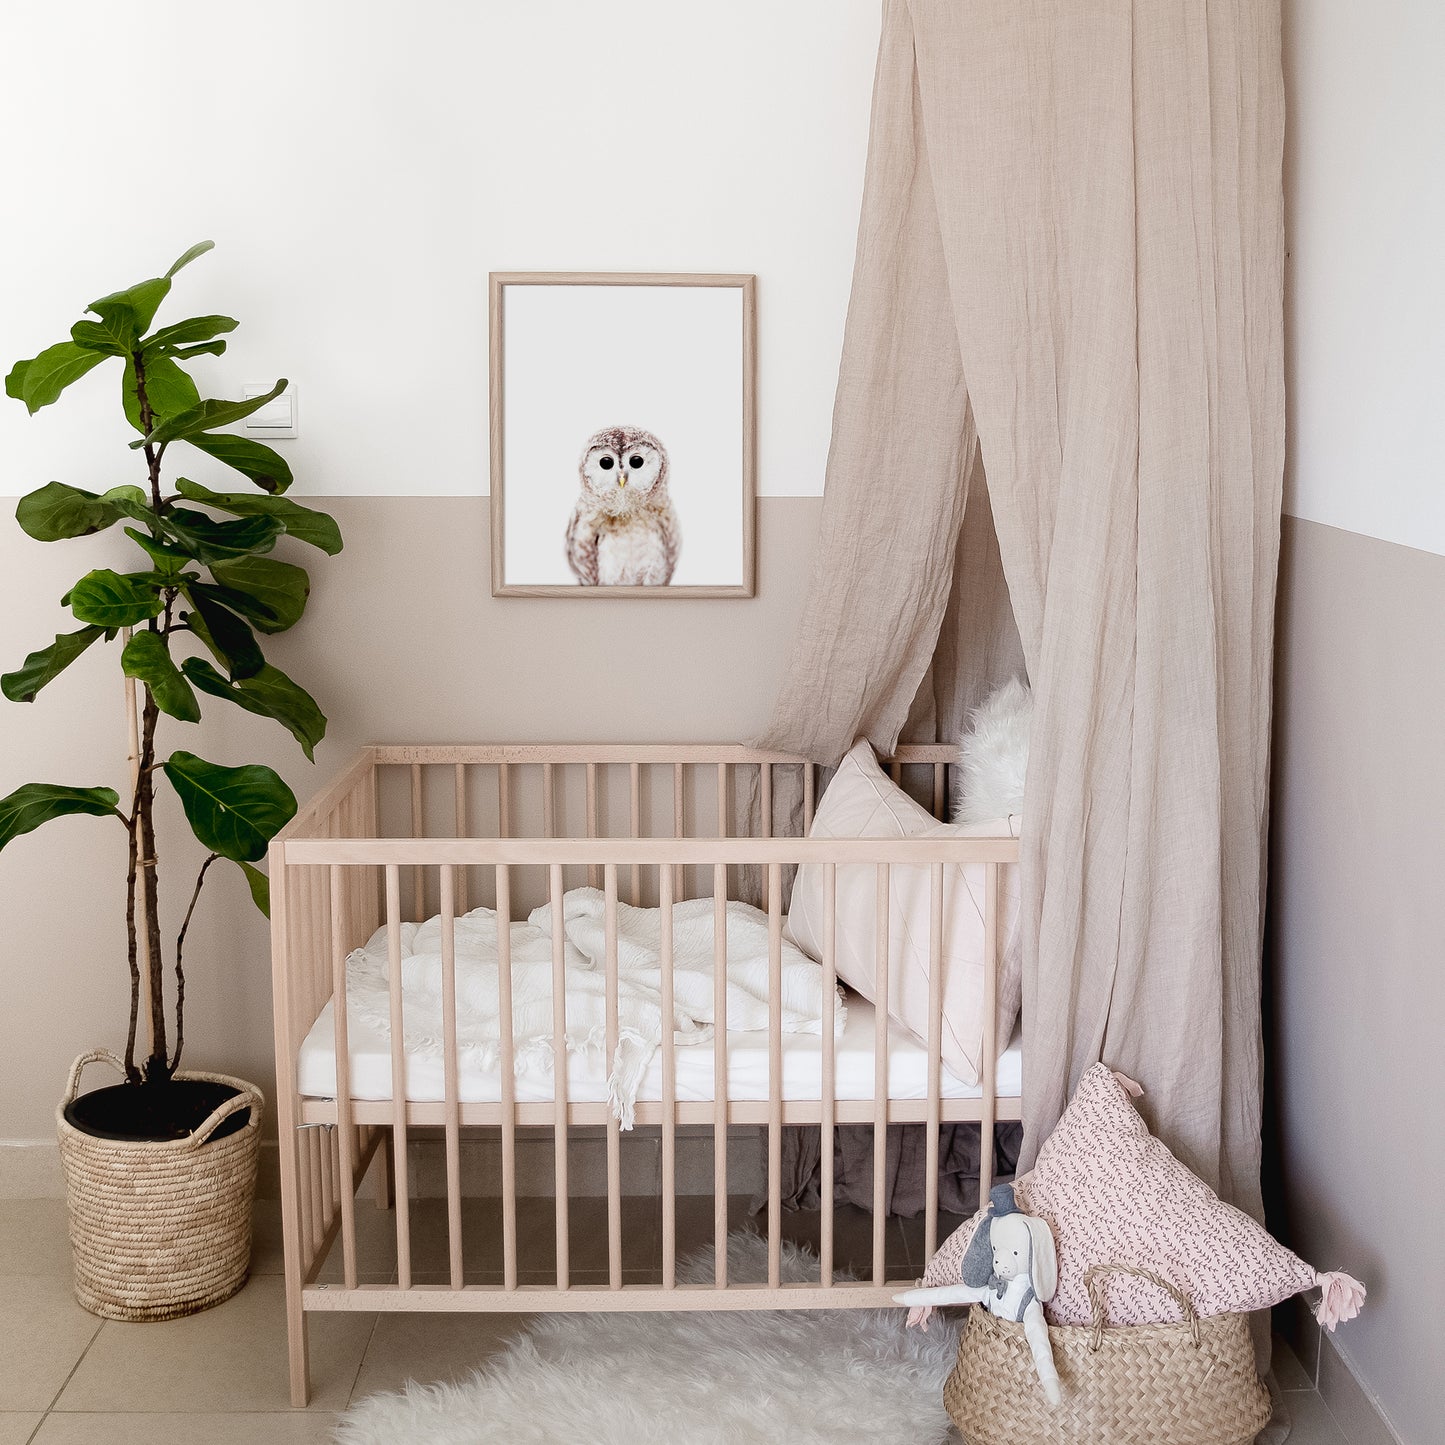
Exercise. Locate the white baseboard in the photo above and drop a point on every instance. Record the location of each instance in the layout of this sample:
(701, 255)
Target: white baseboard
(30, 1169)
(1360, 1416)
(1357, 1412)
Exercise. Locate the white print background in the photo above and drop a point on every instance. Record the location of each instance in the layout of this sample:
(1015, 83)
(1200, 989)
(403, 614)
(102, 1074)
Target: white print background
(577, 359)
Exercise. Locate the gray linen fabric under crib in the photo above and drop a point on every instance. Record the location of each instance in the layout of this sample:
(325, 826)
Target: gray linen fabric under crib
(906, 1169)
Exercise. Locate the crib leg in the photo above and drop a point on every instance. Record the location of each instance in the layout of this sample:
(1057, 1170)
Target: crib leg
(297, 1345)
(384, 1168)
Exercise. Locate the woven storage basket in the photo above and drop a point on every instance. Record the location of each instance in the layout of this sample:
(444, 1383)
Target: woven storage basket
(160, 1229)
(1186, 1384)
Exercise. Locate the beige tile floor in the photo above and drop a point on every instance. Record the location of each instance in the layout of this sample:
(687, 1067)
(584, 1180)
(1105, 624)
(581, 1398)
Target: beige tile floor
(220, 1377)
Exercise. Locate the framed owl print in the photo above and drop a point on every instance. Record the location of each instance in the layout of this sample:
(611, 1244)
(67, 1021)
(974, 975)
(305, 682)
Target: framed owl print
(622, 435)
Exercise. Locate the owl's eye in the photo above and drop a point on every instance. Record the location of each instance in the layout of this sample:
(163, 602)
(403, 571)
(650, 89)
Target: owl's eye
(634, 461)
(606, 463)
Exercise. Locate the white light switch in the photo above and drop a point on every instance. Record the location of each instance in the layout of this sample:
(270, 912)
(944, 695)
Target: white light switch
(277, 418)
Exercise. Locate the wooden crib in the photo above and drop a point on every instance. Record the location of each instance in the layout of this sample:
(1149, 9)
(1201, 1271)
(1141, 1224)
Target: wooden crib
(406, 833)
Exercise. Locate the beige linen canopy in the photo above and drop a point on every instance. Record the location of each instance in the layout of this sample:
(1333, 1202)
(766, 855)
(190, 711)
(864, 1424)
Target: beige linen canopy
(1069, 279)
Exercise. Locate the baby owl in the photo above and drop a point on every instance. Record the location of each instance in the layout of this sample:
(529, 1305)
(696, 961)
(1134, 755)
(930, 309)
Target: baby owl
(623, 532)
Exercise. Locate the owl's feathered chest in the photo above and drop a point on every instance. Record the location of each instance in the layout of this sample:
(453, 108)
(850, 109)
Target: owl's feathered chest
(631, 549)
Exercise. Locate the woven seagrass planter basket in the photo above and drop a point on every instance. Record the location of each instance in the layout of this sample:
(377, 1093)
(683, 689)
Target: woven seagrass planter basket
(1186, 1384)
(160, 1229)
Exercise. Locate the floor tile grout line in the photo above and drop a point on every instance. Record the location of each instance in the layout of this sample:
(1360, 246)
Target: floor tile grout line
(70, 1375)
(361, 1361)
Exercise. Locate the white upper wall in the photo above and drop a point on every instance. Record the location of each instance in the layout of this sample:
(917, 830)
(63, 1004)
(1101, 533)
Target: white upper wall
(363, 165)
(1365, 197)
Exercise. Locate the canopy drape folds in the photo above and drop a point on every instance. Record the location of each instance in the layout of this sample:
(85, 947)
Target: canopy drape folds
(1070, 258)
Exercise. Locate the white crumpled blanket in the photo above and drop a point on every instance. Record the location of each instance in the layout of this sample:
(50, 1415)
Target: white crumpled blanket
(639, 985)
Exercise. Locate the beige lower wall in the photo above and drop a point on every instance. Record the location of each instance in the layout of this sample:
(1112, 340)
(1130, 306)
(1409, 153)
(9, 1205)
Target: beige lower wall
(1357, 945)
(403, 641)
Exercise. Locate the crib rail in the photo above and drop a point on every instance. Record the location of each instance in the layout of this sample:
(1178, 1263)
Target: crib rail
(513, 827)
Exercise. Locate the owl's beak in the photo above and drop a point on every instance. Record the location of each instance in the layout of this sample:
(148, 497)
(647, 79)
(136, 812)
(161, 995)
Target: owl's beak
(622, 479)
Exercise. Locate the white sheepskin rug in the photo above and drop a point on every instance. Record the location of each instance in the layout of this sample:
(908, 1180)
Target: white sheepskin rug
(993, 758)
(804, 1377)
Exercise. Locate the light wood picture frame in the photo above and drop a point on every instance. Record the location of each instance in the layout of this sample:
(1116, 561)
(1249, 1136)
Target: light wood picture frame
(656, 386)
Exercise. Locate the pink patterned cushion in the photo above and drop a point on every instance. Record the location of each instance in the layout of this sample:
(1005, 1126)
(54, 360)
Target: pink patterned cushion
(1113, 1193)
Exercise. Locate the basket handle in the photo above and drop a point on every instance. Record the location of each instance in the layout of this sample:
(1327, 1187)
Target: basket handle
(1096, 1273)
(201, 1134)
(95, 1056)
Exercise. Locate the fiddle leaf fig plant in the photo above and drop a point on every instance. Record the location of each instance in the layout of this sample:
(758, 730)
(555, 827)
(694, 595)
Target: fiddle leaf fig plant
(203, 584)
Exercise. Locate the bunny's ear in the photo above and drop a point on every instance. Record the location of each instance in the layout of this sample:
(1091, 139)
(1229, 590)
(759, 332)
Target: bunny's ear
(1045, 1271)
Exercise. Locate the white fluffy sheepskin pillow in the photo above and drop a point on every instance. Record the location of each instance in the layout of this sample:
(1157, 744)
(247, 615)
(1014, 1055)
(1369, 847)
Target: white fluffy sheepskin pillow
(993, 758)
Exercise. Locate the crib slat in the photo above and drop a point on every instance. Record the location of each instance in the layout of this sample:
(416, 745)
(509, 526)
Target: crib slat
(504, 801)
(809, 788)
(880, 1081)
(830, 1050)
(935, 1050)
(398, 1077)
(463, 831)
(720, 1069)
(988, 1065)
(418, 874)
(345, 1135)
(560, 1084)
(775, 1073)
(679, 781)
(507, 1066)
(895, 771)
(549, 800)
(722, 809)
(594, 872)
(634, 788)
(669, 1083)
(765, 799)
(938, 790)
(310, 1192)
(451, 1084)
(614, 1138)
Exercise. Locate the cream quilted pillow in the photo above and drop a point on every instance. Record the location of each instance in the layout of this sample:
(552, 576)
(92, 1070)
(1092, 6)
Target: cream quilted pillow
(863, 802)
(1112, 1193)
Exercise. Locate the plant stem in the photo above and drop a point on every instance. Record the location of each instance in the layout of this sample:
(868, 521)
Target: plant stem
(157, 1069)
(132, 1074)
(180, 972)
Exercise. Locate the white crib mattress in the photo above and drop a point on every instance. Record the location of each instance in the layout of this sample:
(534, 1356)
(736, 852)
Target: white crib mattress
(587, 1082)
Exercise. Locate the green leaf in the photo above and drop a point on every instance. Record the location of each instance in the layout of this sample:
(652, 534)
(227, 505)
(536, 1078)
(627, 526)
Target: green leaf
(214, 541)
(113, 599)
(233, 811)
(201, 348)
(167, 557)
(39, 381)
(184, 333)
(303, 523)
(56, 511)
(114, 334)
(210, 414)
(231, 642)
(169, 390)
(267, 468)
(270, 594)
(136, 306)
(186, 257)
(260, 886)
(47, 664)
(35, 803)
(269, 693)
(146, 659)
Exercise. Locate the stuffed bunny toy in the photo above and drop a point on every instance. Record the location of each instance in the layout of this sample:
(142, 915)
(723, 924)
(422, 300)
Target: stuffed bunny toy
(1011, 1268)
